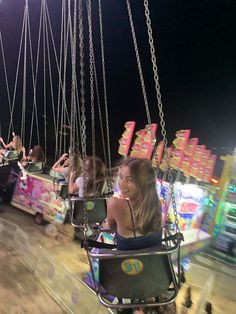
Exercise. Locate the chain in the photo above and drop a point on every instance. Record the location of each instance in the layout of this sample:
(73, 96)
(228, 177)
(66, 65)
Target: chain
(83, 117)
(73, 85)
(82, 82)
(105, 90)
(160, 107)
(138, 61)
(91, 68)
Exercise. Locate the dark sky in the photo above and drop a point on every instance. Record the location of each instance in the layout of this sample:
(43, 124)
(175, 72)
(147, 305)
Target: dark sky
(195, 44)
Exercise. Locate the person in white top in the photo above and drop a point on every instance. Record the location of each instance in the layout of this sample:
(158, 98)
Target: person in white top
(95, 181)
(67, 164)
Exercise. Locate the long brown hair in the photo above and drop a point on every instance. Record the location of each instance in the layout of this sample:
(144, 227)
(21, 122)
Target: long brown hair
(75, 164)
(37, 154)
(147, 211)
(95, 173)
(17, 143)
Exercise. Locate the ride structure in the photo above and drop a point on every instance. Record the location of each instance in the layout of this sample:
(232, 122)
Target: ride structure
(117, 264)
(133, 261)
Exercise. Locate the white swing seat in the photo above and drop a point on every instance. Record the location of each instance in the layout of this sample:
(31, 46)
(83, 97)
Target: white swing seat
(137, 275)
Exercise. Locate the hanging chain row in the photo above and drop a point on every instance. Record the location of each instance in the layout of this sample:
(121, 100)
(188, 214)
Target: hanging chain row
(91, 70)
(104, 87)
(82, 81)
(73, 85)
(160, 107)
(83, 117)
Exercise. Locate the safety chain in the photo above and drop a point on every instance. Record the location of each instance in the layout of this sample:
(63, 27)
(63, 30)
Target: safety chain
(82, 81)
(99, 111)
(73, 85)
(160, 107)
(138, 61)
(83, 117)
(105, 92)
(91, 68)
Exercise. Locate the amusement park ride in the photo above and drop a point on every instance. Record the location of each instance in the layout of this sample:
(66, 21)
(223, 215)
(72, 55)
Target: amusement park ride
(184, 202)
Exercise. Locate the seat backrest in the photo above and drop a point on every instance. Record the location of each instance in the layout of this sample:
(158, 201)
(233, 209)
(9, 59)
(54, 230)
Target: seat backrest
(11, 154)
(34, 167)
(136, 276)
(63, 189)
(96, 211)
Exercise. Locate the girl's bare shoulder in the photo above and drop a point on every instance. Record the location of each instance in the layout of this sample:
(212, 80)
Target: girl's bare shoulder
(116, 203)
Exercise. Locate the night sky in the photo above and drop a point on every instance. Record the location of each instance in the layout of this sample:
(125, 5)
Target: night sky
(195, 43)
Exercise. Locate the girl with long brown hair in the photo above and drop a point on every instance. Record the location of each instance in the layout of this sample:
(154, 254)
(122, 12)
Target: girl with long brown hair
(136, 215)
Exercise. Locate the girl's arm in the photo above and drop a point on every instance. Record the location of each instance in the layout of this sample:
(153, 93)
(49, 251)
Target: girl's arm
(57, 166)
(111, 213)
(6, 146)
(75, 185)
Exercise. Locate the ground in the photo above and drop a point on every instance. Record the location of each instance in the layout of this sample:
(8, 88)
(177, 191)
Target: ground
(20, 292)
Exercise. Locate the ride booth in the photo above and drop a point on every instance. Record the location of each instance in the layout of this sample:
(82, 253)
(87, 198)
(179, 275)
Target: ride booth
(224, 219)
(9, 171)
(39, 195)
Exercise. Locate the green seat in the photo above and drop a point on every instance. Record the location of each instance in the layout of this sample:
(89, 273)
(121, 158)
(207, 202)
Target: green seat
(96, 211)
(137, 275)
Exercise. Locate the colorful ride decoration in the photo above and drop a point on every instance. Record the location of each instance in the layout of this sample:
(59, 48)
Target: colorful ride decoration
(145, 141)
(187, 159)
(126, 138)
(180, 143)
(205, 155)
(36, 194)
(166, 159)
(209, 168)
(227, 195)
(189, 203)
(157, 156)
(184, 155)
(210, 209)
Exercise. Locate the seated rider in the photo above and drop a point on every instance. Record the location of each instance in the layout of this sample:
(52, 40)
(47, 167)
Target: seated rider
(14, 145)
(95, 181)
(68, 163)
(135, 216)
(34, 160)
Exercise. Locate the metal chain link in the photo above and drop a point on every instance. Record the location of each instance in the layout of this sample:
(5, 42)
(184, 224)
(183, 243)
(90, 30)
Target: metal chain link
(99, 112)
(91, 68)
(73, 85)
(82, 81)
(83, 117)
(104, 85)
(160, 107)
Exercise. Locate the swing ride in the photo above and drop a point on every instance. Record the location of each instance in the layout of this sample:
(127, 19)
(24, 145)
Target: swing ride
(122, 274)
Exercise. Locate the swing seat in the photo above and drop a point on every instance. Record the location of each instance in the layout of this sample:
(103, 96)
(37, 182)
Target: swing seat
(63, 194)
(34, 167)
(11, 155)
(137, 275)
(96, 211)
